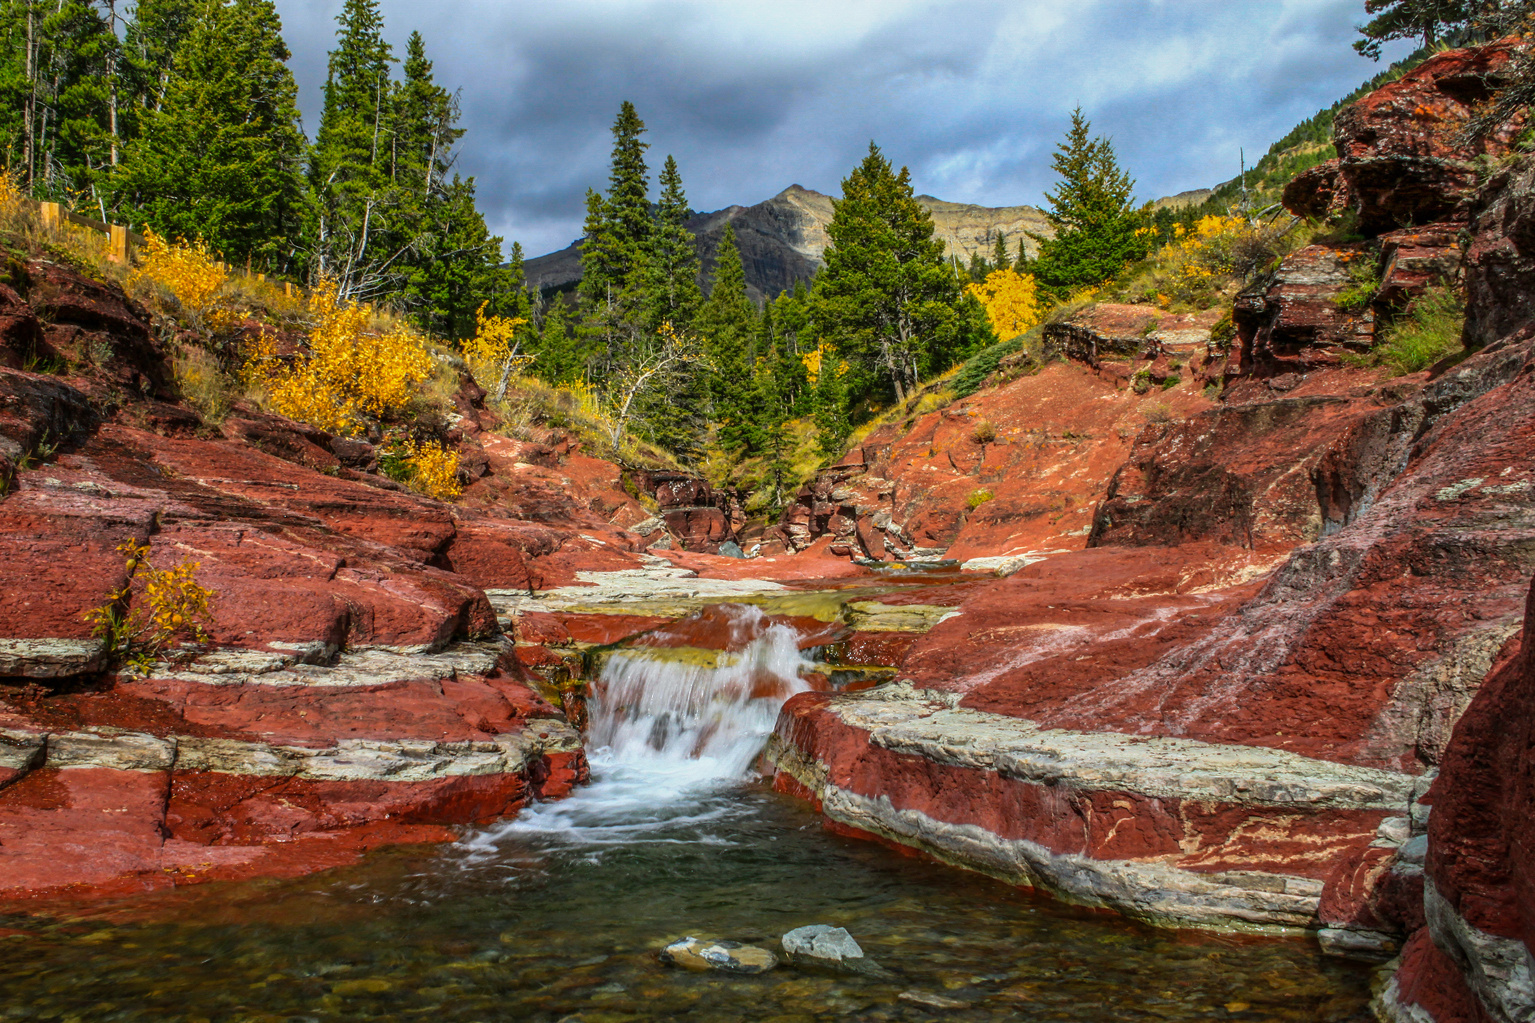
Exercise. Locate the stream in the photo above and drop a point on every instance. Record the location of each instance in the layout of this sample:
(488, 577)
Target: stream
(556, 915)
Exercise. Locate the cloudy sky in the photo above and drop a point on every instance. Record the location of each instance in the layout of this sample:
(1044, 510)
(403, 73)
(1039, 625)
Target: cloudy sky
(751, 97)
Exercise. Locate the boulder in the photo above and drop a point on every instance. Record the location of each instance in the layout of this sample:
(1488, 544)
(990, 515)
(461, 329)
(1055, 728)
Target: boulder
(1401, 158)
(1295, 320)
(702, 954)
(825, 947)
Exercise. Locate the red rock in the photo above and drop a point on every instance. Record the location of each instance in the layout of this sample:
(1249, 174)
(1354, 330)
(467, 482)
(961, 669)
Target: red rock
(1401, 160)
(1291, 321)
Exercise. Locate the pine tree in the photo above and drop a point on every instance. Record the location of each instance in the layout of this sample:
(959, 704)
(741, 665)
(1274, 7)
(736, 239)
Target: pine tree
(726, 321)
(791, 316)
(150, 43)
(425, 124)
(514, 300)
(618, 225)
(886, 295)
(559, 360)
(1409, 19)
(999, 257)
(56, 73)
(456, 264)
(1095, 222)
(672, 293)
(221, 159)
(349, 166)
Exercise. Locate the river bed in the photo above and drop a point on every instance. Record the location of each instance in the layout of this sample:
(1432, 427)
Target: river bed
(557, 915)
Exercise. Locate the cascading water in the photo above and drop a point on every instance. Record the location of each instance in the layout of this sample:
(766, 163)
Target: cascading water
(672, 729)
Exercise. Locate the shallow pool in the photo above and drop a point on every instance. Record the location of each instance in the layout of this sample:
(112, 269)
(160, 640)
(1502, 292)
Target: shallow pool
(557, 915)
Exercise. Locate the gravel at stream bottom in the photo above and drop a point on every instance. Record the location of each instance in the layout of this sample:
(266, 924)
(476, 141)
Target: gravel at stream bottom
(560, 918)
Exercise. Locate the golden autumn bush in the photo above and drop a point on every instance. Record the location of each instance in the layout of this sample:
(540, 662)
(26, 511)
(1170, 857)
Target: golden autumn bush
(153, 609)
(494, 353)
(427, 468)
(1012, 302)
(190, 273)
(1204, 263)
(348, 375)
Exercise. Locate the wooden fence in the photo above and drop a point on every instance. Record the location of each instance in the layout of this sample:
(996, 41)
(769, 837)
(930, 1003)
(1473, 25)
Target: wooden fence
(121, 242)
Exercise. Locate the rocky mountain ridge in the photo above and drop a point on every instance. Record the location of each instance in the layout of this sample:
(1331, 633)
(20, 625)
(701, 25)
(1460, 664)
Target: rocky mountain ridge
(781, 239)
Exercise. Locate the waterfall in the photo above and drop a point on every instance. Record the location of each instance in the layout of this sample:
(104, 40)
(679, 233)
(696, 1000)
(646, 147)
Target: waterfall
(672, 726)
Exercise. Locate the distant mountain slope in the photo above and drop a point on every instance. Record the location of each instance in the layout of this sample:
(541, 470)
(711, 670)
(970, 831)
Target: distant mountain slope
(782, 238)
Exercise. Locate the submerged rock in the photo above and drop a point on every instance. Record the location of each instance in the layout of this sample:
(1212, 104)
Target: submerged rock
(828, 947)
(725, 956)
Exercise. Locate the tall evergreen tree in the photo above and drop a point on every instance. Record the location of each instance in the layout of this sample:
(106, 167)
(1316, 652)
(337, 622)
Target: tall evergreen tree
(349, 165)
(153, 36)
(56, 73)
(559, 358)
(1091, 210)
(454, 264)
(221, 157)
(619, 225)
(424, 127)
(672, 293)
(886, 294)
(726, 321)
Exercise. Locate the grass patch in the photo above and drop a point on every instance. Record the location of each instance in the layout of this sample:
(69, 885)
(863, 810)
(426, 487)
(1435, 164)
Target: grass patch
(1428, 333)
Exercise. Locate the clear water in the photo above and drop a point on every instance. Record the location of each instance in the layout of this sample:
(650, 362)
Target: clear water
(557, 914)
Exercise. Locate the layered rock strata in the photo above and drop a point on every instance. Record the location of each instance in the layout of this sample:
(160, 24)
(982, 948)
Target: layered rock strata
(1231, 707)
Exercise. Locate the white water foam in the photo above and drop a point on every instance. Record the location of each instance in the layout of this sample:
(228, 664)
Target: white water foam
(665, 735)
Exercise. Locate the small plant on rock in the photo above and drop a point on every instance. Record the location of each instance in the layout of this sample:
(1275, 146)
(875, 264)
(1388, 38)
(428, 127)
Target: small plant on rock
(978, 498)
(153, 609)
(429, 469)
(1430, 331)
(984, 432)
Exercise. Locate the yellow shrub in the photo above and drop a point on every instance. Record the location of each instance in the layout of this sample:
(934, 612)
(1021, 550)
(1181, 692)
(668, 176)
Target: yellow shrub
(348, 375)
(10, 192)
(1208, 251)
(188, 271)
(434, 470)
(1011, 300)
(495, 338)
(153, 609)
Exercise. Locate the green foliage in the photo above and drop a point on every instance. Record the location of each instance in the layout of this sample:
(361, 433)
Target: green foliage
(1408, 19)
(982, 365)
(727, 322)
(671, 286)
(56, 123)
(1364, 278)
(219, 157)
(977, 498)
(1097, 229)
(1428, 333)
(886, 298)
(618, 225)
(1171, 382)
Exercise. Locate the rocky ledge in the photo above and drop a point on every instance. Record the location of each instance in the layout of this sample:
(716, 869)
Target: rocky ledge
(1278, 683)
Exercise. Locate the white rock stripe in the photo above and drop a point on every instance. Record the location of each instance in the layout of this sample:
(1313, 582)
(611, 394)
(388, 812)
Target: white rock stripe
(50, 658)
(368, 667)
(1154, 892)
(930, 724)
(1501, 971)
(393, 760)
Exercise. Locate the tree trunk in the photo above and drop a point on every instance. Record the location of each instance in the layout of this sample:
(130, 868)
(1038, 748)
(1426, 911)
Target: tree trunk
(30, 113)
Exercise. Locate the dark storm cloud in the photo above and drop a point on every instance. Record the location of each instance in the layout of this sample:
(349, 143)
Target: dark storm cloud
(753, 97)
